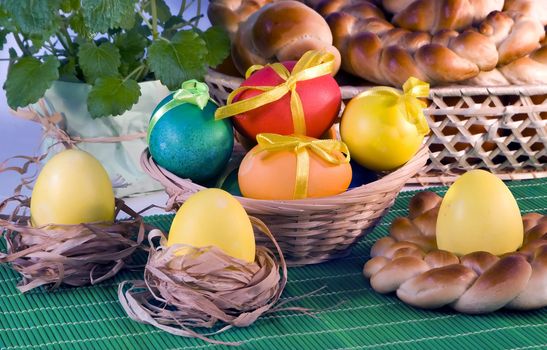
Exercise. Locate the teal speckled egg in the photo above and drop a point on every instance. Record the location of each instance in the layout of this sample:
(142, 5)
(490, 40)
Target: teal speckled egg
(231, 185)
(190, 143)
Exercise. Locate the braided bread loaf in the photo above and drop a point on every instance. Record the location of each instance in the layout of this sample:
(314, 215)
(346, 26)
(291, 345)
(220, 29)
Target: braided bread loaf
(531, 69)
(278, 32)
(408, 263)
(514, 66)
(433, 16)
(228, 14)
(375, 50)
(514, 34)
(532, 8)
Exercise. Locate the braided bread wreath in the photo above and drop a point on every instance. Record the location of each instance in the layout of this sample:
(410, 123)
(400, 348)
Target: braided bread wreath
(408, 262)
(427, 44)
(441, 42)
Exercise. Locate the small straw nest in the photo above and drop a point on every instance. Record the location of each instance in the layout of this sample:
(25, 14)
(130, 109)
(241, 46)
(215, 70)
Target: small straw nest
(205, 288)
(73, 255)
(54, 254)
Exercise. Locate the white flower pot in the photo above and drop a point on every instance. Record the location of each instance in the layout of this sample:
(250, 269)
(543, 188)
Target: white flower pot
(119, 158)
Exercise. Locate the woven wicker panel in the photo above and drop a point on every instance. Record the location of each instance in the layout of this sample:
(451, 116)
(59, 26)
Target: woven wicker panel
(320, 236)
(502, 129)
(309, 230)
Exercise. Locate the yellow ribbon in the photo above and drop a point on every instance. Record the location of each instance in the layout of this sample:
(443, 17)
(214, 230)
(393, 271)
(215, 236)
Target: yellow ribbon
(327, 150)
(311, 65)
(408, 101)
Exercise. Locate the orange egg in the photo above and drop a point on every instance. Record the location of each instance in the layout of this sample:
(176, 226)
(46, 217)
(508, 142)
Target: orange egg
(272, 175)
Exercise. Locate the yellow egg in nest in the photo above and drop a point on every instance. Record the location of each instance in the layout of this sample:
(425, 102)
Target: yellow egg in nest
(479, 213)
(213, 217)
(72, 188)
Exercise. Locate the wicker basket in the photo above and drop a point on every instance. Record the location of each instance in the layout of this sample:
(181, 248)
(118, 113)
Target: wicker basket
(309, 231)
(502, 129)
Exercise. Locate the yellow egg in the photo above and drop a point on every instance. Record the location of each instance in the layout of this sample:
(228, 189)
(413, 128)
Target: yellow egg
(479, 213)
(378, 133)
(72, 188)
(213, 217)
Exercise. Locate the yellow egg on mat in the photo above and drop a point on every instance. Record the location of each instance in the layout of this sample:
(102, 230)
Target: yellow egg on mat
(72, 188)
(479, 213)
(213, 217)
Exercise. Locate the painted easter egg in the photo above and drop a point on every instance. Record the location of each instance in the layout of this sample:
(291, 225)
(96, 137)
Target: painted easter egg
(479, 213)
(213, 217)
(265, 175)
(187, 141)
(321, 101)
(72, 188)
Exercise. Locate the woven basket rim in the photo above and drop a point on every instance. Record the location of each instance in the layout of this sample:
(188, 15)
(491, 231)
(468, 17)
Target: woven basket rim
(349, 91)
(392, 181)
(486, 107)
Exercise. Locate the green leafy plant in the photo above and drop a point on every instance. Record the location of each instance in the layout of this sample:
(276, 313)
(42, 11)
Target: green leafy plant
(110, 44)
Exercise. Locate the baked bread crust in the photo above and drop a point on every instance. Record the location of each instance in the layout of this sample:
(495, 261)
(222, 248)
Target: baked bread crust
(532, 8)
(376, 50)
(407, 262)
(431, 40)
(281, 31)
(433, 16)
(228, 14)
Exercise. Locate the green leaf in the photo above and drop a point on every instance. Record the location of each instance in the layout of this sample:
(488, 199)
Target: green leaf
(98, 61)
(172, 21)
(143, 30)
(180, 59)
(171, 27)
(13, 54)
(101, 40)
(112, 96)
(70, 5)
(3, 34)
(77, 23)
(164, 12)
(113, 31)
(34, 16)
(37, 41)
(28, 80)
(128, 67)
(67, 71)
(218, 45)
(6, 22)
(100, 15)
(128, 22)
(131, 45)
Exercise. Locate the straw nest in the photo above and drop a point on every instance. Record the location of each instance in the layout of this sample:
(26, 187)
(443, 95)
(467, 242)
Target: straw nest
(73, 255)
(204, 288)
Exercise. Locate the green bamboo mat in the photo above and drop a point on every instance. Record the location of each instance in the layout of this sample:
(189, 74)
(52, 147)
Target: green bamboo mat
(348, 313)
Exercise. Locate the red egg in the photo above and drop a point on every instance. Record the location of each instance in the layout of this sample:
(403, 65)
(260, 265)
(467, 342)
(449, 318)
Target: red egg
(321, 99)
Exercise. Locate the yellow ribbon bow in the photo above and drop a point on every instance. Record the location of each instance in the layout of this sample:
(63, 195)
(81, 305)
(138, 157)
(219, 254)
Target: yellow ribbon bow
(311, 65)
(327, 150)
(411, 106)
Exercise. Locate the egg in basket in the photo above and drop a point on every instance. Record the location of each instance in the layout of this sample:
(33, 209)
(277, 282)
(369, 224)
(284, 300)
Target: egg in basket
(293, 180)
